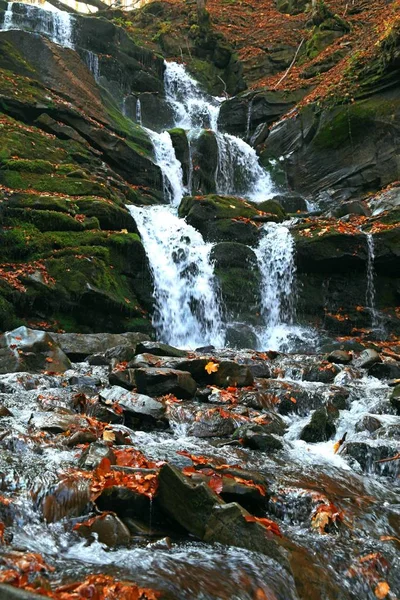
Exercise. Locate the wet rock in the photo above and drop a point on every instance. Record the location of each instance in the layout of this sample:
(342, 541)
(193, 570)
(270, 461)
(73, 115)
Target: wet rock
(123, 377)
(158, 382)
(84, 381)
(24, 349)
(15, 382)
(121, 353)
(256, 439)
(395, 398)
(319, 429)
(201, 421)
(57, 422)
(367, 359)
(368, 423)
(80, 345)
(231, 374)
(340, 357)
(325, 372)
(387, 369)
(127, 504)
(9, 592)
(135, 404)
(68, 498)
(93, 455)
(194, 366)
(276, 425)
(188, 503)
(108, 529)
(4, 412)
(159, 349)
(227, 525)
(368, 455)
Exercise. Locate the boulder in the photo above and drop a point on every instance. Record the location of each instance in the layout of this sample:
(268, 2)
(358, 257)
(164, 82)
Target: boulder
(80, 345)
(230, 374)
(340, 357)
(158, 349)
(94, 454)
(395, 398)
(107, 528)
(123, 377)
(368, 423)
(368, 456)
(67, 498)
(158, 382)
(24, 349)
(58, 422)
(320, 427)
(135, 404)
(367, 359)
(188, 503)
(201, 420)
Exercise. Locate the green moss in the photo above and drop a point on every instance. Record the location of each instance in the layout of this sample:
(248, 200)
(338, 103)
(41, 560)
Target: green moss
(53, 184)
(108, 214)
(8, 319)
(347, 124)
(221, 207)
(51, 220)
(11, 59)
(38, 202)
(29, 166)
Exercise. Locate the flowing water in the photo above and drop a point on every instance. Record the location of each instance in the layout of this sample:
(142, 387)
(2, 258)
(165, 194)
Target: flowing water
(54, 24)
(370, 294)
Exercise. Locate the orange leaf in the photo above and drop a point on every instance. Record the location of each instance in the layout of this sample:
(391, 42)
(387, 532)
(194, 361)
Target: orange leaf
(382, 590)
(48, 359)
(267, 523)
(211, 367)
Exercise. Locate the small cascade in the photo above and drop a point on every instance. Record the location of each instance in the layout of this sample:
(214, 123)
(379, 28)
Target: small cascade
(138, 112)
(187, 312)
(275, 255)
(248, 123)
(92, 62)
(170, 166)
(370, 294)
(54, 24)
(239, 172)
(193, 109)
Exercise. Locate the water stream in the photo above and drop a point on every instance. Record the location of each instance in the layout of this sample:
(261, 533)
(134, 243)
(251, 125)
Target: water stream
(370, 294)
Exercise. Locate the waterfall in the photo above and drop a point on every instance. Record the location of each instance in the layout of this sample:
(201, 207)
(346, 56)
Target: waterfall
(275, 256)
(192, 108)
(186, 311)
(55, 24)
(239, 173)
(248, 123)
(170, 166)
(138, 112)
(370, 294)
(92, 62)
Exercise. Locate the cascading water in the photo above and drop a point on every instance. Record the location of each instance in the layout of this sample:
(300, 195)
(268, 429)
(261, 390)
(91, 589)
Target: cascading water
(187, 312)
(370, 294)
(138, 112)
(92, 62)
(55, 24)
(170, 166)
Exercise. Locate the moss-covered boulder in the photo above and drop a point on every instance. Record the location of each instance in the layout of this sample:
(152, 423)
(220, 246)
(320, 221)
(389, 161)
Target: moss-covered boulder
(182, 151)
(236, 269)
(205, 163)
(221, 218)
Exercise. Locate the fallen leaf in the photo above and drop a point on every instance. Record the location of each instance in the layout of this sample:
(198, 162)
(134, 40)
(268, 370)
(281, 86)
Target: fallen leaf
(211, 367)
(382, 590)
(108, 435)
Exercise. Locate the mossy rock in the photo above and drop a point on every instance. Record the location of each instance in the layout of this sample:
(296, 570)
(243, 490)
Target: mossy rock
(51, 220)
(109, 215)
(292, 7)
(28, 166)
(221, 218)
(38, 202)
(272, 207)
(182, 151)
(205, 163)
(52, 184)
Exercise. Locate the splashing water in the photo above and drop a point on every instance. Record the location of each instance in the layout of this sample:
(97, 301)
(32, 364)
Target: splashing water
(170, 166)
(187, 312)
(138, 112)
(92, 61)
(192, 108)
(55, 24)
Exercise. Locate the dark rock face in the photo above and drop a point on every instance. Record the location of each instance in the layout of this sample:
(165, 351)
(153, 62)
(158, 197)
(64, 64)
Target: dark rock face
(28, 350)
(79, 346)
(158, 382)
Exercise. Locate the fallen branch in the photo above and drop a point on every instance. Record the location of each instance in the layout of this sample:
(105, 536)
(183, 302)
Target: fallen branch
(383, 460)
(291, 64)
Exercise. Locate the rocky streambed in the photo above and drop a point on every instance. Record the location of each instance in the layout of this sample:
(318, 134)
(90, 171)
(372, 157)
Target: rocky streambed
(145, 471)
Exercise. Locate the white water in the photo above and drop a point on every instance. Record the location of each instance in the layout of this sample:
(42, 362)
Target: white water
(170, 166)
(187, 312)
(138, 112)
(55, 24)
(370, 295)
(92, 61)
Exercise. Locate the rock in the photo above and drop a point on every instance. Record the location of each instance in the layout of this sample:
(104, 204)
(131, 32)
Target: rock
(158, 382)
(319, 429)
(135, 404)
(387, 369)
(291, 203)
(292, 7)
(68, 498)
(214, 215)
(276, 425)
(227, 525)
(187, 503)
(124, 378)
(121, 353)
(340, 357)
(273, 207)
(182, 151)
(57, 422)
(368, 455)
(159, 349)
(24, 349)
(201, 420)
(261, 441)
(108, 528)
(232, 374)
(127, 504)
(94, 454)
(84, 381)
(395, 398)
(9, 592)
(80, 345)
(367, 359)
(368, 423)
(325, 372)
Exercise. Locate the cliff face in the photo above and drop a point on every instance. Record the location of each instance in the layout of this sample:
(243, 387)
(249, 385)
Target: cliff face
(316, 92)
